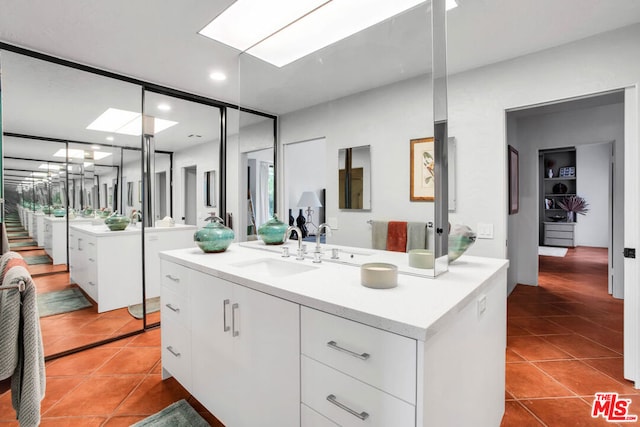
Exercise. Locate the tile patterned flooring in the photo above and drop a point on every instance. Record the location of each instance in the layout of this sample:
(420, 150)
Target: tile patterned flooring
(564, 343)
(112, 385)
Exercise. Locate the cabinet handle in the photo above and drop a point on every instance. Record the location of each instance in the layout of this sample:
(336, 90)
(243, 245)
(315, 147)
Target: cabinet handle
(172, 308)
(234, 332)
(91, 244)
(172, 351)
(170, 277)
(362, 415)
(91, 283)
(335, 346)
(91, 259)
(225, 328)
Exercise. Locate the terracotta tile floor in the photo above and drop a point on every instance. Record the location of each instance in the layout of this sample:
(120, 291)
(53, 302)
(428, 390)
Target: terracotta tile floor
(116, 384)
(564, 343)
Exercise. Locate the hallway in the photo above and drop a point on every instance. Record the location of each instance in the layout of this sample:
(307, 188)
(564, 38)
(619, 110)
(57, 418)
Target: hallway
(564, 343)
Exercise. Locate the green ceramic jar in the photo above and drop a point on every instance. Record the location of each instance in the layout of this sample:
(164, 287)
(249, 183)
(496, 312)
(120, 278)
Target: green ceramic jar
(47, 210)
(59, 212)
(214, 237)
(272, 232)
(117, 222)
(104, 213)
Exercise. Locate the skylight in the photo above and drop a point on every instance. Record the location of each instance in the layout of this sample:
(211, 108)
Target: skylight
(280, 32)
(125, 122)
(81, 154)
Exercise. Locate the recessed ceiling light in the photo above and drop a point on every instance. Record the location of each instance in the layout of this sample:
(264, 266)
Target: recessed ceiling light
(218, 76)
(451, 4)
(125, 122)
(164, 107)
(109, 138)
(95, 147)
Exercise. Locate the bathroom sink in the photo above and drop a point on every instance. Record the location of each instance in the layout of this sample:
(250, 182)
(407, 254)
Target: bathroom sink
(273, 267)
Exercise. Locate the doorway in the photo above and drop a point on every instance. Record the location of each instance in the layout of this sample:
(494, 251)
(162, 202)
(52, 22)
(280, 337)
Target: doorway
(594, 127)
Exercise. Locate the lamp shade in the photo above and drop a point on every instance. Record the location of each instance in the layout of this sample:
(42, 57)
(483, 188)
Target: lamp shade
(309, 199)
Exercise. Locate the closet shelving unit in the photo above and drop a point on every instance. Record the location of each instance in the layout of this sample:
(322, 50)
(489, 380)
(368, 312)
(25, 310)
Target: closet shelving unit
(559, 180)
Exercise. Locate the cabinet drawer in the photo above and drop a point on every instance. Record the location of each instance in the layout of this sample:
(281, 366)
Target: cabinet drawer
(559, 242)
(559, 227)
(310, 418)
(174, 307)
(174, 277)
(382, 359)
(320, 384)
(176, 351)
(559, 234)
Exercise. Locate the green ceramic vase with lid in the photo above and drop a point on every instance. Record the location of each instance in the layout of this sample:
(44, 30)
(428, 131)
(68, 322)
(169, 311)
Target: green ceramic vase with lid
(117, 222)
(59, 212)
(272, 232)
(214, 237)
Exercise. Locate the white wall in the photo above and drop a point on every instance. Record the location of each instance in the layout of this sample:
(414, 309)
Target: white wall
(205, 156)
(592, 166)
(479, 98)
(386, 119)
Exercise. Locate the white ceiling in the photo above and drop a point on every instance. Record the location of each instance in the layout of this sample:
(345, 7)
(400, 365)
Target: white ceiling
(157, 41)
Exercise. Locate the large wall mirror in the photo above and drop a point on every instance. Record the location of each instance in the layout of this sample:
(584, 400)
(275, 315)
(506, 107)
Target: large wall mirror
(62, 154)
(251, 171)
(372, 89)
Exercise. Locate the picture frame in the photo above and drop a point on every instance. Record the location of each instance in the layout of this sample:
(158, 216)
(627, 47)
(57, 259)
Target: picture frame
(422, 170)
(514, 181)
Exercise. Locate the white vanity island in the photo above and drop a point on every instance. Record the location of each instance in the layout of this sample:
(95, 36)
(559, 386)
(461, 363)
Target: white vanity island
(107, 264)
(262, 340)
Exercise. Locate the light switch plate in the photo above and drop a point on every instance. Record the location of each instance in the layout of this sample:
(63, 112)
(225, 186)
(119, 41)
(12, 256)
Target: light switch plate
(333, 222)
(485, 231)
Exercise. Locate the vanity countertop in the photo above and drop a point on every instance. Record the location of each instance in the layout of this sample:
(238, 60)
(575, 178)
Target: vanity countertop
(417, 308)
(103, 230)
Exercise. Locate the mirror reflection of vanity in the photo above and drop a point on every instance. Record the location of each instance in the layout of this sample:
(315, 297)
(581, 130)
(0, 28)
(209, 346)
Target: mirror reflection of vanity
(372, 92)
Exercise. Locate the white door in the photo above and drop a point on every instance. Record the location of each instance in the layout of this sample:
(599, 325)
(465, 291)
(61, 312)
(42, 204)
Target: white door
(631, 235)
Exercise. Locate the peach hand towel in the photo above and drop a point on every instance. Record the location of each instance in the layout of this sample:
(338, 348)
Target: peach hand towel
(397, 236)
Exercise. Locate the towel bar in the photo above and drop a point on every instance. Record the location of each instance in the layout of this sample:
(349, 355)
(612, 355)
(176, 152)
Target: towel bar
(19, 286)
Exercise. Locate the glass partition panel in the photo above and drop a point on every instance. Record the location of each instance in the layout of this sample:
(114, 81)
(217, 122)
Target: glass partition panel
(73, 126)
(374, 88)
(181, 143)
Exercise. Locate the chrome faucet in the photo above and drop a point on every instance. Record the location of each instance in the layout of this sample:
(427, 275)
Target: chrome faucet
(300, 254)
(322, 226)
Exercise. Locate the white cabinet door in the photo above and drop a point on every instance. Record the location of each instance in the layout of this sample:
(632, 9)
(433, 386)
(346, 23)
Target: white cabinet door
(267, 357)
(214, 380)
(245, 353)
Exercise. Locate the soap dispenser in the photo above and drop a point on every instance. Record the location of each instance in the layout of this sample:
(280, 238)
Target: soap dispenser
(215, 236)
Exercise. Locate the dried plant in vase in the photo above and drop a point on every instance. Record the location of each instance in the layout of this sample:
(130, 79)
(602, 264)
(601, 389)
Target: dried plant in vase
(573, 205)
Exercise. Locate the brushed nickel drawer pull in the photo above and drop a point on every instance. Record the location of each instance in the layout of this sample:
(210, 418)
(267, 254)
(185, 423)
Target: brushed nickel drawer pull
(172, 351)
(172, 308)
(170, 277)
(225, 327)
(335, 346)
(234, 332)
(362, 415)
